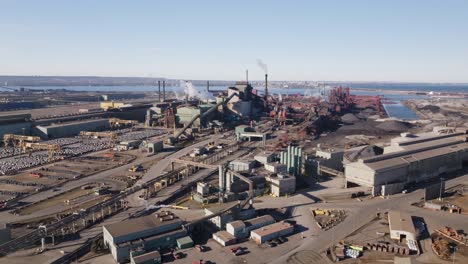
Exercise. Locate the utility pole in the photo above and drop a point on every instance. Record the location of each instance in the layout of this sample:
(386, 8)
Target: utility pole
(440, 191)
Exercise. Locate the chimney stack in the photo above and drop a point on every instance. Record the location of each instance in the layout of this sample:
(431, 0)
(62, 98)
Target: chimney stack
(266, 85)
(208, 86)
(164, 91)
(159, 91)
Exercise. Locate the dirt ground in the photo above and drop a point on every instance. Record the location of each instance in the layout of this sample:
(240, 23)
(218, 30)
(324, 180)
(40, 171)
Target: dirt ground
(57, 200)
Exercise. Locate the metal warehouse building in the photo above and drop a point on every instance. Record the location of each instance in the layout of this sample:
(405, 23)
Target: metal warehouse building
(159, 230)
(241, 229)
(19, 124)
(269, 232)
(416, 161)
(71, 128)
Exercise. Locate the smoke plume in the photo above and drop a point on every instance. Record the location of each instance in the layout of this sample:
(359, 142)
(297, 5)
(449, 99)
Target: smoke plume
(262, 65)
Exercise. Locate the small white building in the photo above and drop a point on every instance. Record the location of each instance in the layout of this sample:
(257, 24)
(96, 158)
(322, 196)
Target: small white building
(265, 157)
(282, 184)
(401, 226)
(128, 145)
(236, 228)
(203, 188)
(269, 232)
(224, 238)
(242, 165)
(276, 167)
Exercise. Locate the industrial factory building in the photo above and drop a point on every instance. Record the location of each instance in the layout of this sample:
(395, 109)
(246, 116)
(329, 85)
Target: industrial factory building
(186, 113)
(71, 128)
(159, 230)
(281, 184)
(411, 158)
(19, 124)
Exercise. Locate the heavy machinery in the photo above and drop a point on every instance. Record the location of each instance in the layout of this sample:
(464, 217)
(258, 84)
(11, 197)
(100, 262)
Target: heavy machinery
(51, 148)
(117, 123)
(90, 134)
(18, 139)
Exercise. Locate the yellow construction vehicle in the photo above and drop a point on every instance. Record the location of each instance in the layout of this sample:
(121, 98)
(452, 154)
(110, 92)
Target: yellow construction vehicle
(90, 134)
(51, 148)
(18, 139)
(116, 122)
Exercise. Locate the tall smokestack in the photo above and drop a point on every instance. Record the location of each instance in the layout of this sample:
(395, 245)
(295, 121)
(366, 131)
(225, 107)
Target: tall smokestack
(247, 76)
(159, 91)
(266, 85)
(164, 91)
(208, 86)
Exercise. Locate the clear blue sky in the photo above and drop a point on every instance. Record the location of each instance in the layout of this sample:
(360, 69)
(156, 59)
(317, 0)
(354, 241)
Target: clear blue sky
(347, 40)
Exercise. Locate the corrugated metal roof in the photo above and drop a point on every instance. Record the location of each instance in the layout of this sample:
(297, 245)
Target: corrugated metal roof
(260, 220)
(271, 229)
(138, 224)
(224, 236)
(403, 159)
(237, 224)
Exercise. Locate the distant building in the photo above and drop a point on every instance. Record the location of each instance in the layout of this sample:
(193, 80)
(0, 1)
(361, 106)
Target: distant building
(73, 128)
(408, 161)
(122, 96)
(19, 124)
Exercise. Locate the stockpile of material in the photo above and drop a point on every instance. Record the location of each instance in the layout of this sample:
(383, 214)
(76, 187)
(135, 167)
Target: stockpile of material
(349, 119)
(394, 126)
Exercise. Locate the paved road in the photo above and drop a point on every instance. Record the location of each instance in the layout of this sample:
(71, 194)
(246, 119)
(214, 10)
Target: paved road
(361, 213)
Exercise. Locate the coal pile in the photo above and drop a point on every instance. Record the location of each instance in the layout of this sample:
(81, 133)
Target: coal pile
(394, 126)
(433, 108)
(349, 119)
(364, 152)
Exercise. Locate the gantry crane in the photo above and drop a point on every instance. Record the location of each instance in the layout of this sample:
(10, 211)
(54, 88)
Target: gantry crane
(116, 122)
(51, 148)
(18, 139)
(90, 134)
(110, 135)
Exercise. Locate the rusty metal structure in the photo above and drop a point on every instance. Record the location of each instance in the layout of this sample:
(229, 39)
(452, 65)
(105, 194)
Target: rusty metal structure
(52, 149)
(116, 122)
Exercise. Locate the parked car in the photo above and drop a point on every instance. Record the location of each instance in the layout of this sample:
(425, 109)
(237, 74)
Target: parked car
(271, 244)
(276, 241)
(239, 252)
(282, 239)
(234, 249)
(200, 248)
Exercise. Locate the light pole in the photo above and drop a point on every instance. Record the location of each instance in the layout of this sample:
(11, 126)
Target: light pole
(440, 191)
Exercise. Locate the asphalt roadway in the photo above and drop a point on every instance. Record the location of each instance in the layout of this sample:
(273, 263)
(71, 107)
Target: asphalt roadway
(359, 214)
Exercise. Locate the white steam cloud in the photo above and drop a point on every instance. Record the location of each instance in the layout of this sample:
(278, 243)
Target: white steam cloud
(193, 92)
